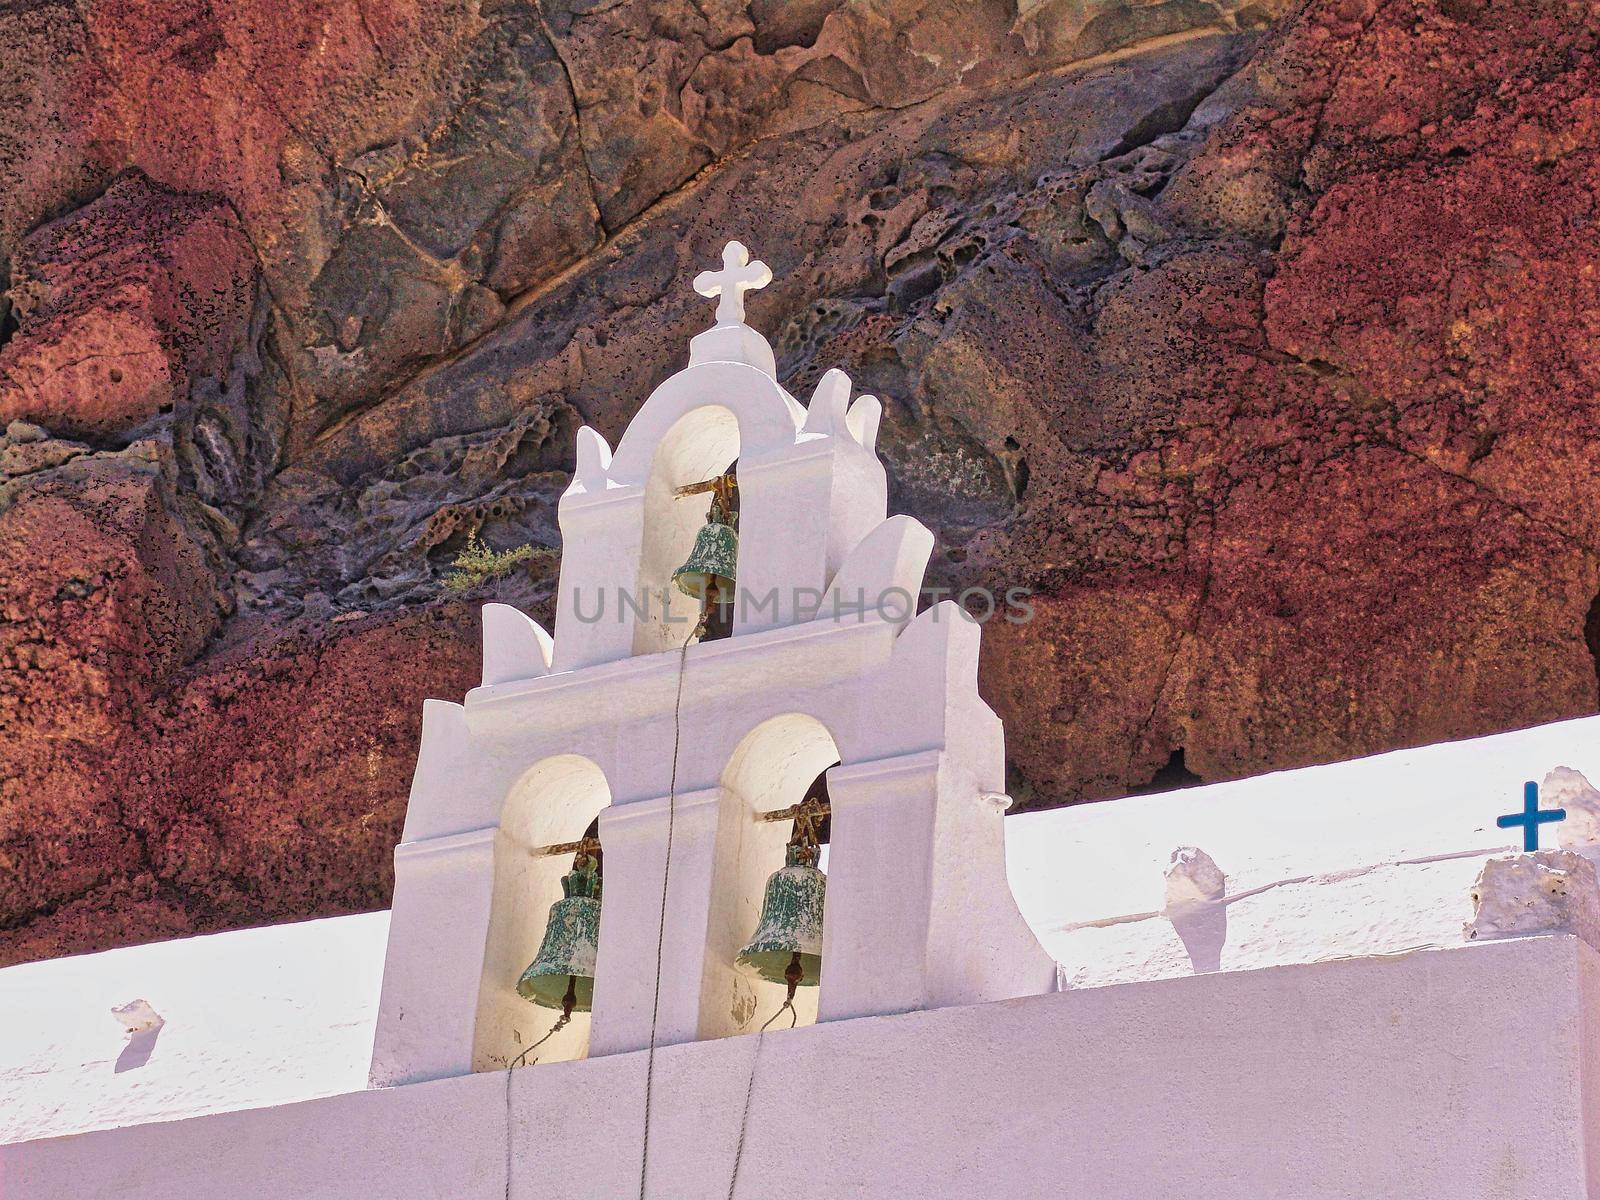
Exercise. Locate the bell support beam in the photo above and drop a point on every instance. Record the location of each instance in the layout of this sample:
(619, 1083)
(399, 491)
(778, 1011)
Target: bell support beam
(920, 914)
(793, 811)
(591, 627)
(587, 845)
(635, 838)
(444, 891)
(799, 515)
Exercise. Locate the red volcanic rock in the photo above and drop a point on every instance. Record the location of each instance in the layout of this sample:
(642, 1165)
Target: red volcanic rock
(1356, 507)
(276, 786)
(1267, 359)
(266, 785)
(1461, 296)
(102, 596)
(1080, 685)
(123, 306)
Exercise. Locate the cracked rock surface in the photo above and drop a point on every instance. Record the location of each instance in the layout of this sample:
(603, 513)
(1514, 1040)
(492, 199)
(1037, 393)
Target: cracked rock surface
(1256, 339)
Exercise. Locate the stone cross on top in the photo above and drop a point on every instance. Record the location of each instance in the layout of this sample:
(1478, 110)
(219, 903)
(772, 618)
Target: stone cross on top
(738, 276)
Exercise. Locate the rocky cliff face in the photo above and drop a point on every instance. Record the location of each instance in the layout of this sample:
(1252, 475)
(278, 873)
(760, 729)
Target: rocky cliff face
(1260, 342)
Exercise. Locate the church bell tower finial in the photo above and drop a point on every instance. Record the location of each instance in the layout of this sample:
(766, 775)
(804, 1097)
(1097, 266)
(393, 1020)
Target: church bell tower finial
(728, 286)
(730, 339)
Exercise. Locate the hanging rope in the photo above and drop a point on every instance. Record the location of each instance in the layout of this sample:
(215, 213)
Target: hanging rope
(561, 1023)
(750, 1084)
(807, 817)
(744, 1118)
(508, 1132)
(567, 1002)
(666, 873)
(786, 1006)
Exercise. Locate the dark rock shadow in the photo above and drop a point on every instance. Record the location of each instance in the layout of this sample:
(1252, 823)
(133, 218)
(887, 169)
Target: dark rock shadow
(1203, 929)
(137, 1052)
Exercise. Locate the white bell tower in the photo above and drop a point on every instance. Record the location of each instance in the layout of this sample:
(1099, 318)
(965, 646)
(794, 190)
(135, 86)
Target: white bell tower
(618, 717)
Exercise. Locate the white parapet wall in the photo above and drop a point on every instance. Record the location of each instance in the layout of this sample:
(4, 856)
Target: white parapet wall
(1439, 1074)
(1371, 856)
(1323, 1029)
(248, 1018)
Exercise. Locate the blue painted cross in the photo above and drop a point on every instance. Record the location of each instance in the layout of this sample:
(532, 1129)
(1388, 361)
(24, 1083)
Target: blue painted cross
(1530, 818)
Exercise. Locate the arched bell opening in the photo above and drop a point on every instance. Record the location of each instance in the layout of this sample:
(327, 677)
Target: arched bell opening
(690, 520)
(548, 828)
(768, 886)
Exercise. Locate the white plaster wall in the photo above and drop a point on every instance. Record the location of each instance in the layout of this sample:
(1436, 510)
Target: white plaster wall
(1097, 861)
(1384, 910)
(1441, 1074)
(881, 692)
(444, 894)
(260, 1016)
(308, 991)
(430, 1141)
(877, 693)
(1589, 1066)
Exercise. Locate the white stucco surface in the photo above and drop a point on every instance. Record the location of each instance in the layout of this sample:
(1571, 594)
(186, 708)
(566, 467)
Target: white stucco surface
(1429, 1076)
(1257, 989)
(1371, 857)
(1095, 862)
(256, 1017)
(680, 748)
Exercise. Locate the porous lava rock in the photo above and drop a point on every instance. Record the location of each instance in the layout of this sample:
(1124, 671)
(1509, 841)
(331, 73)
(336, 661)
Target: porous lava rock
(267, 783)
(122, 308)
(1258, 341)
(102, 595)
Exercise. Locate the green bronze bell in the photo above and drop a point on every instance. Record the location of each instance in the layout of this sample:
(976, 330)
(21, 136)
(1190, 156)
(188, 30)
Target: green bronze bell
(712, 561)
(562, 973)
(787, 946)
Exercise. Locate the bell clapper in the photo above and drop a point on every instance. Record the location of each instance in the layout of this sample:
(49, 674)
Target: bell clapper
(568, 1002)
(793, 974)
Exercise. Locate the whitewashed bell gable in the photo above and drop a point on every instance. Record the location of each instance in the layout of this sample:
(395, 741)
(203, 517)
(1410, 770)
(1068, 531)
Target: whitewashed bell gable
(828, 663)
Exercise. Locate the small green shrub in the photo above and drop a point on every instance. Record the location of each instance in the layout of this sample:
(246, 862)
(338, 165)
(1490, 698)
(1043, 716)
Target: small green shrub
(477, 564)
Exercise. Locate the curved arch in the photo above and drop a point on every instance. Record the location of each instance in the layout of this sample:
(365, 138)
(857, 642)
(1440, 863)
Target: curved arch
(769, 769)
(764, 417)
(553, 797)
(552, 802)
(701, 445)
(773, 763)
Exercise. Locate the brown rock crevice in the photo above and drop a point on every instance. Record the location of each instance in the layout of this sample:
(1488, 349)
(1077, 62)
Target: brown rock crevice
(1591, 638)
(1264, 356)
